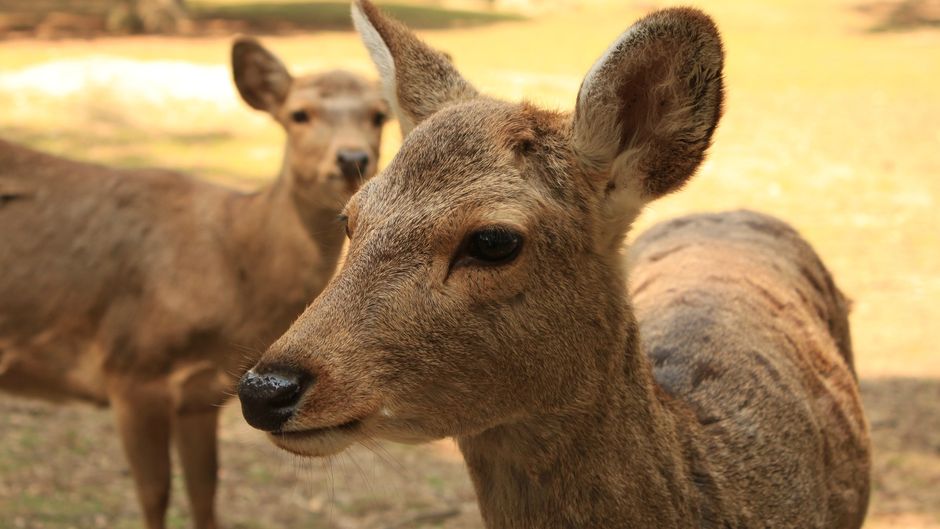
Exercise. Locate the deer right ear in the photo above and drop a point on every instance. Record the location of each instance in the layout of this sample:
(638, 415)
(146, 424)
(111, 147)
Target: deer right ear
(646, 112)
(417, 80)
(262, 80)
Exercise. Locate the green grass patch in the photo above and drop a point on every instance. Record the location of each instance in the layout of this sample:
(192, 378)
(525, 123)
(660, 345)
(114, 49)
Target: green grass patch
(286, 16)
(65, 508)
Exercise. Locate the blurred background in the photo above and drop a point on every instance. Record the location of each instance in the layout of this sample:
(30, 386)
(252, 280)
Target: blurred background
(832, 123)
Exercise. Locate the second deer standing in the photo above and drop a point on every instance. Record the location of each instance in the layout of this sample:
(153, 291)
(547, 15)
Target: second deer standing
(152, 291)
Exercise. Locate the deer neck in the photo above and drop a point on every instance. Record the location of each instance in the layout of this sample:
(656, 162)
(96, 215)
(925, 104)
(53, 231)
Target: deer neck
(285, 248)
(617, 461)
(283, 215)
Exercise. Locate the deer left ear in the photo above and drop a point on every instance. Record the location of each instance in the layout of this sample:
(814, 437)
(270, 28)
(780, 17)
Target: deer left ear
(647, 110)
(417, 80)
(262, 80)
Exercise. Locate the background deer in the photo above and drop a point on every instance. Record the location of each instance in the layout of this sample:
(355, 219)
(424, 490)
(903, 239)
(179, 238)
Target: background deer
(151, 291)
(484, 297)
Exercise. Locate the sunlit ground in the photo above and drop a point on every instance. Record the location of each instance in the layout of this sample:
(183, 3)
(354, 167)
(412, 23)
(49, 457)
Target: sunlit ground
(828, 125)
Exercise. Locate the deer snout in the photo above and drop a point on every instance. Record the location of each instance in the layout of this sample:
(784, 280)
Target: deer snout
(269, 399)
(352, 163)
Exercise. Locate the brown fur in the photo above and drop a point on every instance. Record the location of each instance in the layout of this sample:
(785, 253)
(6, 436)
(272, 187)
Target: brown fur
(745, 327)
(744, 414)
(153, 291)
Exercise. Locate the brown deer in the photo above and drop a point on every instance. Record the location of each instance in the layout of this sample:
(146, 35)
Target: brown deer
(150, 290)
(484, 297)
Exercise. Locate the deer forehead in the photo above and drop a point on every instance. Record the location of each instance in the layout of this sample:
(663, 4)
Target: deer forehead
(473, 151)
(403, 210)
(342, 91)
(336, 81)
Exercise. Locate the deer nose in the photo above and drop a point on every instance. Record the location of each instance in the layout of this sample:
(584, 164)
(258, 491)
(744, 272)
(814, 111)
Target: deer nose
(270, 399)
(352, 162)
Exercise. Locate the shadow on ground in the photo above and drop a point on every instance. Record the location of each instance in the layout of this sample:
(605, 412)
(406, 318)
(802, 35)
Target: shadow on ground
(275, 17)
(61, 467)
(84, 19)
(903, 15)
(904, 414)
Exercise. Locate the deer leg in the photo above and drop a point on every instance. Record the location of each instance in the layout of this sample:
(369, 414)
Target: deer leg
(194, 434)
(143, 420)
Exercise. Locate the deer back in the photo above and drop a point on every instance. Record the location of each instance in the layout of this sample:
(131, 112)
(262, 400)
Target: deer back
(745, 328)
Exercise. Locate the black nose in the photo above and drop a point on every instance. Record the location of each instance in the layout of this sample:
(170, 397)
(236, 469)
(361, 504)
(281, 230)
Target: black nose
(352, 163)
(269, 399)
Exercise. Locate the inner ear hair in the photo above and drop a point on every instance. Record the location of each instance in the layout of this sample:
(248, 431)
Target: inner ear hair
(648, 108)
(657, 119)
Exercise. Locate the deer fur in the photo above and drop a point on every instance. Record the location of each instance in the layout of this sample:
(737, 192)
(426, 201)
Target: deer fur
(152, 291)
(722, 396)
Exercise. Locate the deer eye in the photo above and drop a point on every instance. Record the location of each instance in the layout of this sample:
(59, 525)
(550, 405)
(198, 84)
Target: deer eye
(300, 116)
(493, 246)
(379, 119)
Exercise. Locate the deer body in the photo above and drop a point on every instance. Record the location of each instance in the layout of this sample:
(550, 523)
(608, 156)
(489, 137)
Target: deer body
(151, 291)
(484, 296)
(157, 270)
(747, 332)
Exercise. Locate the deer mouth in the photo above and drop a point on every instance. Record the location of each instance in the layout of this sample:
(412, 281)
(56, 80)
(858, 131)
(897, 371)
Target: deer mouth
(318, 442)
(346, 426)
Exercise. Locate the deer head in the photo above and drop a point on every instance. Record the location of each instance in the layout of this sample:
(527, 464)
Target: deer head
(483, 284)
(333, 121)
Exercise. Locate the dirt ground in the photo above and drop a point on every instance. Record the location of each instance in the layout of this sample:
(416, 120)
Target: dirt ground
(831, 123)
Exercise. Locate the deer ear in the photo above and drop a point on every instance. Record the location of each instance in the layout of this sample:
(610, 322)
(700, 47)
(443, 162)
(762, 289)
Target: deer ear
(417, 80)
(647, 109)
(262, 80)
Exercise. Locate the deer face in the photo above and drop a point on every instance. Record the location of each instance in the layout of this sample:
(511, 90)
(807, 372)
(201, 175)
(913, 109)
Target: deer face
(445, 270)
(333, 121)
(482, 284)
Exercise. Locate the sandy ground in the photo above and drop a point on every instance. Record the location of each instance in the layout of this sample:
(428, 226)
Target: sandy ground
(829, 125)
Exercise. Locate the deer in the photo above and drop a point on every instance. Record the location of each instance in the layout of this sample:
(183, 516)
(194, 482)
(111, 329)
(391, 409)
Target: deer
(151, 291)
(485, 297)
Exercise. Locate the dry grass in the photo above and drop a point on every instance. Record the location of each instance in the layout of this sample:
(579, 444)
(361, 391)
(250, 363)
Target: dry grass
(829, 125)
